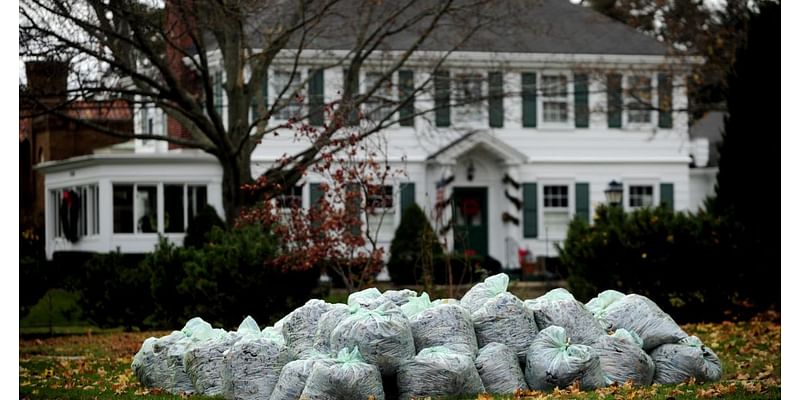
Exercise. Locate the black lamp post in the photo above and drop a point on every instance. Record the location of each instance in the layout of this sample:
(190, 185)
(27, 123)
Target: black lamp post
(614, 193)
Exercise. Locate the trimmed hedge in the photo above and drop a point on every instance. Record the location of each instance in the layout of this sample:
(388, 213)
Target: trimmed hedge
(693, 265)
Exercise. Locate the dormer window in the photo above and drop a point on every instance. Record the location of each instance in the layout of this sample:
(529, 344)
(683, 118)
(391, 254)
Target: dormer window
(555, 101)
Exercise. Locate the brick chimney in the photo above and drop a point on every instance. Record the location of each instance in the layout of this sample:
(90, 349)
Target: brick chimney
(179, 22)
(47, 80)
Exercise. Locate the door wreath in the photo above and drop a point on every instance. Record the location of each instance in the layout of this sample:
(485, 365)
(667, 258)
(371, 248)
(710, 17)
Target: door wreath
(470, 207)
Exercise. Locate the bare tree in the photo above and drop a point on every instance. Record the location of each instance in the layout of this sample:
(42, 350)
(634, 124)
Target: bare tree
(170, 56)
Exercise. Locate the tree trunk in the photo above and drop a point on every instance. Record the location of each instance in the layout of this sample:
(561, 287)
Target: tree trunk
(235, 173)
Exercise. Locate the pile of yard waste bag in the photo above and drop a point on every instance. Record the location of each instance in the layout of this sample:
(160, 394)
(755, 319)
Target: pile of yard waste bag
(401, 344)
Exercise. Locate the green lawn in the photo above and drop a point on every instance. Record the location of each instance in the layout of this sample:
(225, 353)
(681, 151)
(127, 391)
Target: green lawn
(97, 366)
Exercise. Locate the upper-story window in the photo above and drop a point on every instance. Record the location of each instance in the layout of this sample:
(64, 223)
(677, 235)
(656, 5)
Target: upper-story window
(640, 196)
(289, 88)
(379, 105)
(555, 101)
(469, 96)
(640, 99)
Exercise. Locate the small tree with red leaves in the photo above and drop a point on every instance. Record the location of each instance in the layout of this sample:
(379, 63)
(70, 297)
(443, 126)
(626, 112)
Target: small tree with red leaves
(332, 232)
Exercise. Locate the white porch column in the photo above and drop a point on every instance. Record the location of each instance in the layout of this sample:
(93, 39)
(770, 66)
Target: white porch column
(513, 214)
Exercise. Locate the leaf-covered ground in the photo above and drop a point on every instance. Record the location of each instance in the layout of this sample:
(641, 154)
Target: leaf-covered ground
(97, 366)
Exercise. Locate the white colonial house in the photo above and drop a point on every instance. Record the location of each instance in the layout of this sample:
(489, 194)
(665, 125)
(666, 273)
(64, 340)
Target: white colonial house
(567, 113)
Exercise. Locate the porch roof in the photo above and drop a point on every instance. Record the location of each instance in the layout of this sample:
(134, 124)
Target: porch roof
(505, 153)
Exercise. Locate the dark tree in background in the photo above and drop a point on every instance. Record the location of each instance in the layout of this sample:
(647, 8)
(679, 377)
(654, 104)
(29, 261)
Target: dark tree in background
(748, 183)
(695, 27)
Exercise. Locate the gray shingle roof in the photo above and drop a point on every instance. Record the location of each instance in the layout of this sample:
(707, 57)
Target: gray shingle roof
(522, 26)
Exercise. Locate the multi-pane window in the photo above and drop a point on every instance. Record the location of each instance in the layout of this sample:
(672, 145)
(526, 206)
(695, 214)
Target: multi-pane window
(556, 196)
(556, 211)
(135, 207)
(146, 209)
(554, 99)
(640, 196)
(292, 196)
(288, 88)
(640, 98)
(469, 94)
(76, 207)
(379, 105)
(380, 203)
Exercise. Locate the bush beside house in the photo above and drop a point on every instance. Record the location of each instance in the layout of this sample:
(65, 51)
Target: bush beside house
(693, 265)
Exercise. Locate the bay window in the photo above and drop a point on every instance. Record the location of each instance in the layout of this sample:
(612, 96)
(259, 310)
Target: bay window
(136, 207)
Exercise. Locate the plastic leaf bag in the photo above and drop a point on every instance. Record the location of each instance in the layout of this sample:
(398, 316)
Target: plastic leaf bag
(143, 364)
(598, 305)
(642, 316)
(274, 334)
(253, 364)
(553, 362)
(399, 297)
(481, 292)
(447, 325)
(676, 363)
(383, 336)
(349, 377)
(505, 319)
(438, 371)
(295, 374)
(325, 325)
(622, 358)
(178, 380)
(204, 363)
(368, 298)
(499, 369)
(558, 307)
(301, 325)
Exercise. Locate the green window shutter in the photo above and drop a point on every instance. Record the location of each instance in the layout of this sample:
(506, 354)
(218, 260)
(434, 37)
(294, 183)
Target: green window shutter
(353, 207)
(614, 100)
(217, 91)
(496, 99)
(582, 209)
(581, 101)
(529, 100)
(314, 196)
(441, 97)
(664, 101)
(316, 97)
(668, 196)
(406, 79)
(264, 93)
(407, 195)
(530, 214)
(353, 86)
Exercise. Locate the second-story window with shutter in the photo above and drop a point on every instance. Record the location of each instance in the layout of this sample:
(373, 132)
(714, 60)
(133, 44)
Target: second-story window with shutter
(379, 105)
(469, 96)
(639, 99)
(555, 99)
(288, 88)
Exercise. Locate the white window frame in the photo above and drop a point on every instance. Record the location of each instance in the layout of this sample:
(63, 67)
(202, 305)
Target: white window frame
(628, 98)
(90, 209)
(160, 202)
(569, 100)
(473, 115)
(287, 97)
(388, 221)
(570, 209)
(388, 105)
(627, 183)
